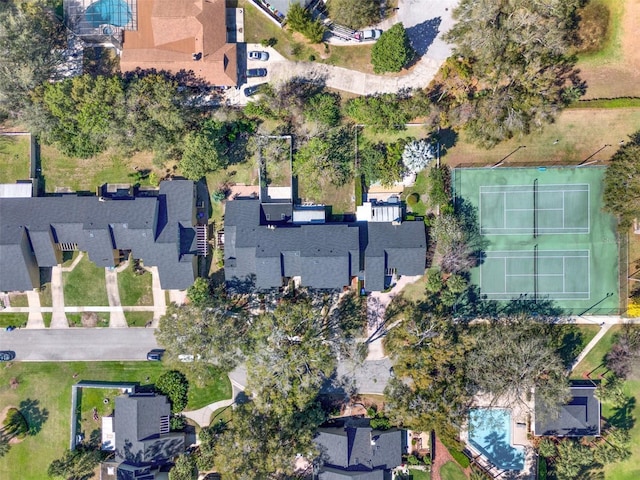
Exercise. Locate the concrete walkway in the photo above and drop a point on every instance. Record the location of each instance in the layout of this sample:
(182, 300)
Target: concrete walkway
(116, 316)
(58, 317)
(377, 303)
(202, 416)
(159, 299)
(35, 314)
(604, 328)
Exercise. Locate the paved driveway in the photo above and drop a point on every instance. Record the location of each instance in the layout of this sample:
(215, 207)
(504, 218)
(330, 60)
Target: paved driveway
(426, 21)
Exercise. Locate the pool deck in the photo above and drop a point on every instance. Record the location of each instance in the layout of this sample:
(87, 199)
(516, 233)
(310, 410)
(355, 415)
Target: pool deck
(521, 413)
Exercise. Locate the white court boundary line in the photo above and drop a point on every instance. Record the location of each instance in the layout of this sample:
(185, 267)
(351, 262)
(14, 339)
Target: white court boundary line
(586, 254)
(508, 189)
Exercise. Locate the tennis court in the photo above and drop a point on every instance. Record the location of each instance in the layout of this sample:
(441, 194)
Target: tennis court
(535, 209)
(545, 234)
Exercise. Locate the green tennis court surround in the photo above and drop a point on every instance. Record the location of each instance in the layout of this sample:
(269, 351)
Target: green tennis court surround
(546, 236)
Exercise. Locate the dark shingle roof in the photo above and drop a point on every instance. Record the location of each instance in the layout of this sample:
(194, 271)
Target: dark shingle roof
(137, 430)
(359, 448)
(577, 418)
(329, 473)
(325, 256)
(157, 229)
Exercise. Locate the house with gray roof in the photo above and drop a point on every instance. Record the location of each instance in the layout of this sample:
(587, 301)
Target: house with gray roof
(262, 252)
(143, 441)
(579, 417)
(358, 452)
(157, 227)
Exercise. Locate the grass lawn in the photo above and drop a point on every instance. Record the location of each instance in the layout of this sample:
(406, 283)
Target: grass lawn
(85, 284)
(86, 174)
(75, 319)
(135, 289)
(451, 471)
(578, 135)
(611, 51)
(138, 319)
(296, 47)
(14, 158)
(593, 361)
(15, 319)
(90, 398)
(45, 388)
(416, 474)
(202, 396)
(19, 300)
(417, 132)
(628, 469)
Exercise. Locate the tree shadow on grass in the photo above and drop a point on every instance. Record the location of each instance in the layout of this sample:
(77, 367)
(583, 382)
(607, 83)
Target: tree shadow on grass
(35, 416)
(623, 416)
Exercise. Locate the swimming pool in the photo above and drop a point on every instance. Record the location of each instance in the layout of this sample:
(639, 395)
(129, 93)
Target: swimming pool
(490, 435)
(108, 12)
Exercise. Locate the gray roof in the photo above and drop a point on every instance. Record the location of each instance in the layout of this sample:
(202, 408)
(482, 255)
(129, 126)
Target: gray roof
(325, 256)
(328, 473)
(577, 418)
(359, 448)
(157, 229)
(137, 430)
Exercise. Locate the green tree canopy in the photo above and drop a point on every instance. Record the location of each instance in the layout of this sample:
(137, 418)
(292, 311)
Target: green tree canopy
(622, 183)
(213, 334)
(392, 52)
(78, 464)
(184, 468)
(354, 13)
(380, 112)
(259, 446)
(518, 72)
(31, 42)
(201, 153)
(85, 115)
(514, 357)
(175, 386)
(429, 357)
(291, 357)
(323, 108)
(325, 159)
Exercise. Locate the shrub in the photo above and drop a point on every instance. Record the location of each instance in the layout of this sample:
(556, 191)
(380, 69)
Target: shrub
(413, 198)
(380, 422)
(355, 13)
(392, 51)
(175, 386)
(593, 27)
(542, 469)
(417, 155)
(177, 422)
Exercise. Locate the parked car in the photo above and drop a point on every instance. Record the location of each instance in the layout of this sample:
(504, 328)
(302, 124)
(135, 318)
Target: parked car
(155, 355)
(259, 55)
(252, 89)
(371, 34)
(256, 72)
(7, 355)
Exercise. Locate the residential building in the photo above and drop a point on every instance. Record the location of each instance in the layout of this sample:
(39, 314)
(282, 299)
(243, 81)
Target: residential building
(171, 35)
(579, 417)
(352, 452)
(264, 248)
(157, 227)
(143, 442)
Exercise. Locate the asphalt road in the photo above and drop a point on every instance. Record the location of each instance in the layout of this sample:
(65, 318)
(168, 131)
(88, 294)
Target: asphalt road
(81, 344)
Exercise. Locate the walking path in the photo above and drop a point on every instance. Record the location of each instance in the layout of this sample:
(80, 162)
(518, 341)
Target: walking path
(604, 328)
(159, 299)
(116, 316)
(58, 317)
(202, 416)
(35, 314)
(377, 303)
